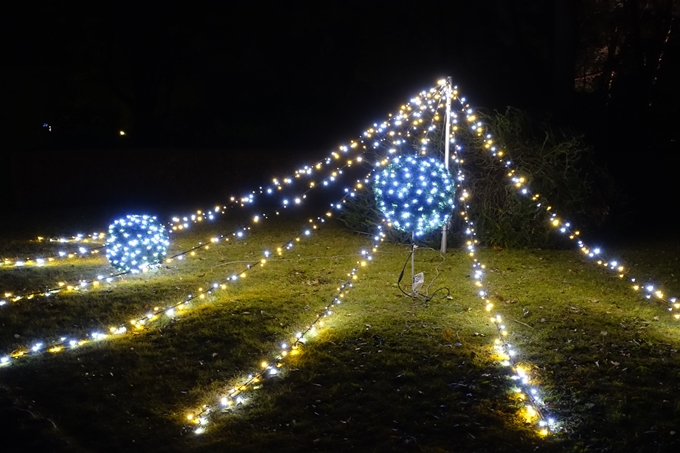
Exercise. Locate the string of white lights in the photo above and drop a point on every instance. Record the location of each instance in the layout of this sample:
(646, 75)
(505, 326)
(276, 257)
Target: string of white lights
(415, 109)
(84, 249)
(391, 133)
(170, 310)
(534, 409)
(407, 207)
(65, 343)
(95, 282)
(181, 223)
(648, 289)
(236, 392)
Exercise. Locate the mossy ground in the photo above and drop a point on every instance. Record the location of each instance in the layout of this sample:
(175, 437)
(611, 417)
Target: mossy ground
(387, 373)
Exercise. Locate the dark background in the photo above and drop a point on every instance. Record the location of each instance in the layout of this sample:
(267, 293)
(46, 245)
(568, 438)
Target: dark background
(216, 97)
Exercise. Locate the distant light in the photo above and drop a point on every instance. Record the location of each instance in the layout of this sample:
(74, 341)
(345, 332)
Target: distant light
(122, 133)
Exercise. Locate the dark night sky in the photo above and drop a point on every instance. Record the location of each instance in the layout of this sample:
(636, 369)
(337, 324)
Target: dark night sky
(287, 80)
(313, 72)
(323, 61)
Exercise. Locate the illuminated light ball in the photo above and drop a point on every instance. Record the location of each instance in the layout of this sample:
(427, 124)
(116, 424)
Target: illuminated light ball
(136, 242)
(415, 193)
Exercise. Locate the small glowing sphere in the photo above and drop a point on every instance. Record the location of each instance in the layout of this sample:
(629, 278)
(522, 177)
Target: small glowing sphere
(136, 242)
(415, 193)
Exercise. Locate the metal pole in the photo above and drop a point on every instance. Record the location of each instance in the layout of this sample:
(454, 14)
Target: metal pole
(413, 262)
(446, 148)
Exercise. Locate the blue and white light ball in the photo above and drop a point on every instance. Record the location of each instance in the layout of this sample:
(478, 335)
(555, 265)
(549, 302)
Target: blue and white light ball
(136, 243)
(415, 193)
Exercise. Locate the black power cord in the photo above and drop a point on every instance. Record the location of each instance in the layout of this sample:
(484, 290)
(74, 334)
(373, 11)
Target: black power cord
(425, 298)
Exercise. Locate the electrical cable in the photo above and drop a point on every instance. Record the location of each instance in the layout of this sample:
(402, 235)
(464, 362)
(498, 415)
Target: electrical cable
(401, 274)
(424, 297)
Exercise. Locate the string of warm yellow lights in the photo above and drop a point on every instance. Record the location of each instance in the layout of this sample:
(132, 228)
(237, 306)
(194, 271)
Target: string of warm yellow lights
(648, 289)
(139, 323)
(61, 286)
(234, 396)
(84, 249)
(525, 390)
(391, 133)
(172, 310)
(534, 409)
(235, 393)
(85, 284)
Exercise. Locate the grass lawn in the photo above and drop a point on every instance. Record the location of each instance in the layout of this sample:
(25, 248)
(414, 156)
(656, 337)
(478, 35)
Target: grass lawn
(385, 373)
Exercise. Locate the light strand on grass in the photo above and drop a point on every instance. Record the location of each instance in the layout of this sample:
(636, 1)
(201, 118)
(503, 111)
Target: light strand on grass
(648, 289)
(200, 419)
(534, 411)
(84, 249)
(61, 286)
(84, 284)
(180, 223)
(96, 237)
(235, 394)
(526, 390)
(409, 115)
(139, 323)
(171, 310)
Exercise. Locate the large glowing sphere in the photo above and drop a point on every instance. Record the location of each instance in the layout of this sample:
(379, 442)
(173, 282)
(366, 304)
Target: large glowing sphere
(136, 242)
(415, 193)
